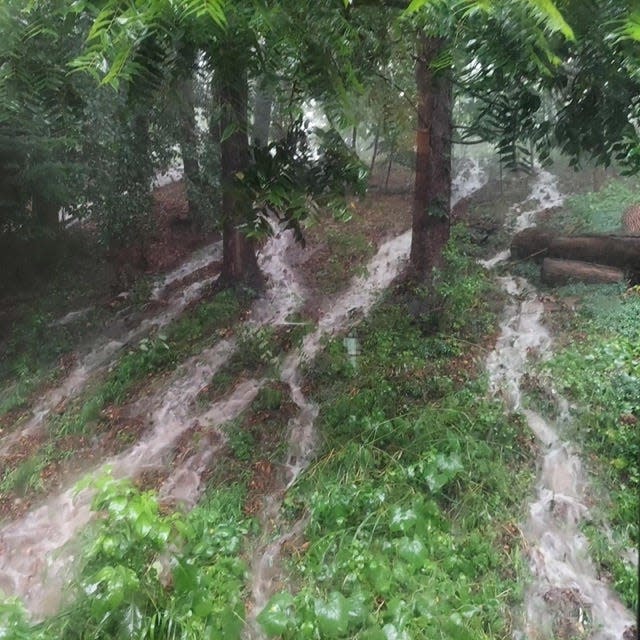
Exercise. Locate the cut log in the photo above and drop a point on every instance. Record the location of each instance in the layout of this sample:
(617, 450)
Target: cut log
(531, 244)
(615, 251)
(558, 272)
(622, 252)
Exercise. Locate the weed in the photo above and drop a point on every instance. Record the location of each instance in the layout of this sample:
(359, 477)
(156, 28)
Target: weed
(130, 556)
(269, 398)
(598, 370)
(241, 441)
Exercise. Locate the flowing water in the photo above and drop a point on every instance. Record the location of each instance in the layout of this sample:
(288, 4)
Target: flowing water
(565, 599)
(267, 573)
(117, 335)
(36, 551)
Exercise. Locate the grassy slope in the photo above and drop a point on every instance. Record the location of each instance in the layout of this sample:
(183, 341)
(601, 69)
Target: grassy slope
(412, 500)
(413, 496)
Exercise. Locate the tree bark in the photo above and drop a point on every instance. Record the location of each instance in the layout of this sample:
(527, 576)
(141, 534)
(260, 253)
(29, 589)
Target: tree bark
(389, 165)
(45, 211)
(622, 252)
(559, 272)
(432, 195)
(239, 262)
(140, 165)
(189, 144)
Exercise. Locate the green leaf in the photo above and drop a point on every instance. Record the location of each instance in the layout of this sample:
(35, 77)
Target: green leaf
(403, 520)
(413, 551)
(333, 615)
(416, 5)
(228, 132)
(277, 614)
(392, 633)
(553, 17)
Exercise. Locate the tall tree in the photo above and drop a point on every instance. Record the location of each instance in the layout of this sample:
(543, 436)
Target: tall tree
(239, 43)
(432, 193)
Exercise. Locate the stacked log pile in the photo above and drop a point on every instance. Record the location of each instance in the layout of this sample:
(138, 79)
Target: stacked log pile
(588, 258)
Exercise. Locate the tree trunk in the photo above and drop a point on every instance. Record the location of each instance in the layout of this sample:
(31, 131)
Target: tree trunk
(432, 195)
(189, 144)
(354, 137)
(389, 165)
(622, 252)
(140, 167)
(239, 262)
(374, 155)
(262, 107)
(45, 211)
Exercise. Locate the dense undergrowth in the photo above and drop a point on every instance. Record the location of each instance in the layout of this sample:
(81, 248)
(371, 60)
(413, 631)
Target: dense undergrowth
(410, 503)
(597, 211)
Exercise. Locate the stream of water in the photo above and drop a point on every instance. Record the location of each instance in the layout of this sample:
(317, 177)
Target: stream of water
(565, 596)
(565, 599)
(267, 572)
(118, 334)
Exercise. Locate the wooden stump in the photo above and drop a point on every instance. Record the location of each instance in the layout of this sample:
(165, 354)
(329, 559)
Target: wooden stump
(558, 272)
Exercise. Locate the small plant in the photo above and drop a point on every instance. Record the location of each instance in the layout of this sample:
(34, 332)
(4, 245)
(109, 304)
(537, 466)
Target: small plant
(144, 574)
(269, 398)
(257, 348)
(242, 442)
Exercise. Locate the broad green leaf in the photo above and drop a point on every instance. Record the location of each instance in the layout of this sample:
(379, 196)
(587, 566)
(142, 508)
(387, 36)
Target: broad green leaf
(403, 519)
(391, 632)
(413, 551)
(277, 614)
(416, 5)
(333, 615)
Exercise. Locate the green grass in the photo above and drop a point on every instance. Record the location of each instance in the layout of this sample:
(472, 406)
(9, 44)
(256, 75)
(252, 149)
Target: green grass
(599, 211)
(151, 357)
(258, 354)
(411, 501)
(415, 489)
(156, 355)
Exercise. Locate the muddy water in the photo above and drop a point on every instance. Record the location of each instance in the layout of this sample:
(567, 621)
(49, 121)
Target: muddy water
(118, 335)
(267, 573)
(36, 551)
(565, 598)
